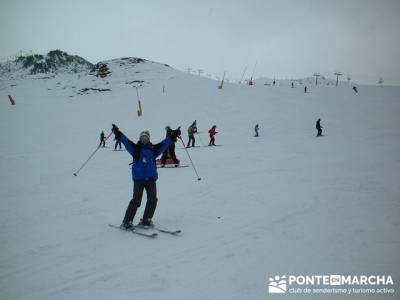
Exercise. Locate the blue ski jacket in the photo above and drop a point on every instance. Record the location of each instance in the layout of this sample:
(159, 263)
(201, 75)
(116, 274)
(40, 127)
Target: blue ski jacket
(144, 157)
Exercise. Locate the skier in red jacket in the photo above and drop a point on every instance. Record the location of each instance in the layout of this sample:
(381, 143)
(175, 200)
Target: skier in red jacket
(212, 133)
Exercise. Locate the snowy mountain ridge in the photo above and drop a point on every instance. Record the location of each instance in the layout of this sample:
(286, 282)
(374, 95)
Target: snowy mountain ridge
(55, 61)
(60, 62)
(77, 75)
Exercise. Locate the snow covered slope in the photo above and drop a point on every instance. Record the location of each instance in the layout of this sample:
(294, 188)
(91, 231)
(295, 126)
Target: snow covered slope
(284, 203)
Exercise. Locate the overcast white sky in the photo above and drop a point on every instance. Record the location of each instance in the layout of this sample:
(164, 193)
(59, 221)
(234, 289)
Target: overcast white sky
(286, 38)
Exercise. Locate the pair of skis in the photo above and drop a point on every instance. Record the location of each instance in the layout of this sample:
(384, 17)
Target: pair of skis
(171, 166)
(203, 146)
(136, 230)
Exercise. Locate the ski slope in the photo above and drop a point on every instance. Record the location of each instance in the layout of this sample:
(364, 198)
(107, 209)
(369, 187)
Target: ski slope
(284, 203)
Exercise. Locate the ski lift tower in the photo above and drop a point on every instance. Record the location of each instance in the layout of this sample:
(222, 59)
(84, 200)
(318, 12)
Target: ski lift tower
(337, 77)
(316, 77)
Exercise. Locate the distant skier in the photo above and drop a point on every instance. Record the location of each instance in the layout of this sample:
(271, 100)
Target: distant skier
(116, 137)
(144, 173)
(256, 129)
(191, 131)
(212, 133)
(292, 85)
(102, 140)
(319, 127)
(305, 89)
(355, 89)
(170, 151)
(273, 83)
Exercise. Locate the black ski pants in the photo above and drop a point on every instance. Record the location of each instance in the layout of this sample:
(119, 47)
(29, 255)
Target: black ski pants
(212, 141)
(191, 139)
(151, 204)
(117, 143)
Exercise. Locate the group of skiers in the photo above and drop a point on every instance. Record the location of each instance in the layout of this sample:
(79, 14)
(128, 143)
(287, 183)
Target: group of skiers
(103, 139)
(317, 126)
(144, 165)
(305, 88)
(192, 130)
(169, 153)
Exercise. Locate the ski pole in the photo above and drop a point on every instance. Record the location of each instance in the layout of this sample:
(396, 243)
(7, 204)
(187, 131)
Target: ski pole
(98, 147)
(201, 141)
(187, 152)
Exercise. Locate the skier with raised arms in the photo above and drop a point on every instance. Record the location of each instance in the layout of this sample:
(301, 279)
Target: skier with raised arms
(144, 173)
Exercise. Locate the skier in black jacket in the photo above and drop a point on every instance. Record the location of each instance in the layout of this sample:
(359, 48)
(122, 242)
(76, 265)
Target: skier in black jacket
(117, 137)
(170, 152)
(319, 127)
(102, 140)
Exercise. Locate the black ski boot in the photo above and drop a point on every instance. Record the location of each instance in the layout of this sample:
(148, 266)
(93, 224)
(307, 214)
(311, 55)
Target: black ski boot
(126, 225)
(146, 223)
